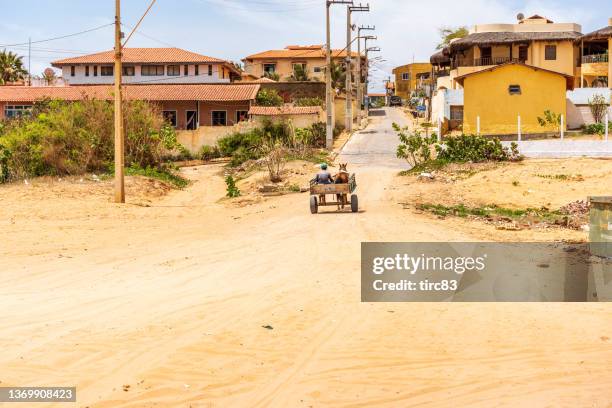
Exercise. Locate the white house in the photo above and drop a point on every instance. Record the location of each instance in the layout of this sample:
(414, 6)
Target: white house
(147, 66)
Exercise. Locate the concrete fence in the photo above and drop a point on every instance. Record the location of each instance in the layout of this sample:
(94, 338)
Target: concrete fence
(563, 148)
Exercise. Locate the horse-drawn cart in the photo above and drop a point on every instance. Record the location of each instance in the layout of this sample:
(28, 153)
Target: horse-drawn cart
(339, 191)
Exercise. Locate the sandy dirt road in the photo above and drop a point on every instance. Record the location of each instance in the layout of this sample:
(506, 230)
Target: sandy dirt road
(165, 306)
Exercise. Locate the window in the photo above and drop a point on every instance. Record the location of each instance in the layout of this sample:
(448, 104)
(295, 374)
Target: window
(17, 111)
(523, 53)
(210, 70)
(152, 70)
(318, 69)
(269, 68)
(129, 71)
(174, 70)
(456, 113)
(406, 76)
(186, 70)
(219, 118)
(514, 89)
(87, 70)
(550, 53)
(170, 117)
(197, 70)
(72, 70)
(242, 116)
(106, 71)
(95, 70)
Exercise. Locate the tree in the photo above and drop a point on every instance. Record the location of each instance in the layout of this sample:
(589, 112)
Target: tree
(338, 76)
(11, 68)
(49, 76)
(551, 119)
(300, 74)
(269, 97)
(599, 107)
(272, 75)
(450, 33)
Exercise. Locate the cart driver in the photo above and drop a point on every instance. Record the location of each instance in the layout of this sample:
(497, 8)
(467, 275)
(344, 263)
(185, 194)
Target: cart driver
(324, 176)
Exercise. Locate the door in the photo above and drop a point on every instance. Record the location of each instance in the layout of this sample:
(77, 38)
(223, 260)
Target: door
(192, 120)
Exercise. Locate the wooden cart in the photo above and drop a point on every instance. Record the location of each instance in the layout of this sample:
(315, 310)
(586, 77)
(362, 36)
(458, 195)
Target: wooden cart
(317, 190)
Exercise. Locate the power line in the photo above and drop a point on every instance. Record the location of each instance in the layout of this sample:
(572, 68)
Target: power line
(58, 38)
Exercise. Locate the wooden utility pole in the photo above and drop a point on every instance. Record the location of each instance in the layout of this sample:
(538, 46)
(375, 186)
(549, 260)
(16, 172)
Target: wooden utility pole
(329, 98)
(360, 77)
(119, 140)
(349, 63)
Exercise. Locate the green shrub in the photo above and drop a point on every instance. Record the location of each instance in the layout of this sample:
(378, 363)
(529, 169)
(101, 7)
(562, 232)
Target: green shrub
(418, 149)
(269, 97)
(160, 173)
(73, 138)
(472, 148)
(596, 128)
(309, 102)
(232, 190)
(209, 153)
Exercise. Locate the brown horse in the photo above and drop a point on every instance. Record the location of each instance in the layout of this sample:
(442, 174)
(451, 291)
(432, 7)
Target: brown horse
(342, 178)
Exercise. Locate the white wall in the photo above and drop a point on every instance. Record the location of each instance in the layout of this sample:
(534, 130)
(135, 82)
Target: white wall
(442, 102)
(203, 77)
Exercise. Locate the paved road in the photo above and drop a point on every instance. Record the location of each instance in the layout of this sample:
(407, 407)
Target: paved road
(377, 144)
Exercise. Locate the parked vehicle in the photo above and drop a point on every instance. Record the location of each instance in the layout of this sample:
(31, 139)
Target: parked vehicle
(395, 101)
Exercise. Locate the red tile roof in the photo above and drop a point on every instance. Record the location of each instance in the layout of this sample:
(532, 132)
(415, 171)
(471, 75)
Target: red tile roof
(284, 110)
(296, 52)
(141, 55)
(199, 92)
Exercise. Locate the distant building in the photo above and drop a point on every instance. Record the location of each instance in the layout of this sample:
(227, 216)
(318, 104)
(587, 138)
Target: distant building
(147, 66)
(311, 59)
(186, 107)
(412, 79)
(595, 69)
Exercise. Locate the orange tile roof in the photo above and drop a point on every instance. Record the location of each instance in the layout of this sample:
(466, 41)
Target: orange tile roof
(141, 55)
(196, 92)
(295, 52)
(284, 110)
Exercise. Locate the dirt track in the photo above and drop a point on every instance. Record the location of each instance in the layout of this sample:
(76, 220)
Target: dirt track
(172, 300)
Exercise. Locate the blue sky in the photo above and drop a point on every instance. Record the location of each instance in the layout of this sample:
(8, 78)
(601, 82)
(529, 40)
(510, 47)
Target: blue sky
(232, 29)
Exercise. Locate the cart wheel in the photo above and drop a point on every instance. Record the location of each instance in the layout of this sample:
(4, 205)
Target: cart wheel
(314, 205)
(354, 203)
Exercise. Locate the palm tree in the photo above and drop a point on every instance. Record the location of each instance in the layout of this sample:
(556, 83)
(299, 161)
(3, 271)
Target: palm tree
(338, 76)
(300, 73)
(11, 68)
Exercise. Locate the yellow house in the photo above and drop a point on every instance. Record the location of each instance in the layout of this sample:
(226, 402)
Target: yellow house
(535, 41)
(498, 95)
(595, 69)
(283, 62)
(411, 77)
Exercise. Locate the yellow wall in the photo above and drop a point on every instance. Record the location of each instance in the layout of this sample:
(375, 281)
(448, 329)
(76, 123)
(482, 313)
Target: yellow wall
(567, 58)
(404, 88)
(340, 111)
(486, 95)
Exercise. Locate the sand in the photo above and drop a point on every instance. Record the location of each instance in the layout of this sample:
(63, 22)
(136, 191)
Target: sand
(191, 300)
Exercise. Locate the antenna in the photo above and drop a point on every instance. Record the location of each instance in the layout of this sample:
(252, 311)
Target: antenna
(520, 17)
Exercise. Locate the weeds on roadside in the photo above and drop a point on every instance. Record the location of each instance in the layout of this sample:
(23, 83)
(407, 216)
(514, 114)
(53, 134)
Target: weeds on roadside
(232, 190)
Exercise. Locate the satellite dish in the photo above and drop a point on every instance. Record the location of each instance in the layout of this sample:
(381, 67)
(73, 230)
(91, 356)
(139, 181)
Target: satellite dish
(520, 17)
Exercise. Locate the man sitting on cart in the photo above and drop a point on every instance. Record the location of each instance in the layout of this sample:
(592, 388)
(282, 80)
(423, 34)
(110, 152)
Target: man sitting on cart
(323, 177)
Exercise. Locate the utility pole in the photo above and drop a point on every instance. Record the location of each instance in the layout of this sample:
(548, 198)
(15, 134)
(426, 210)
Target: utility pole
(329, 99)
(119, 131)
(367, 52)
(349, 64)
(119, 140)
(360, 71)
(30, 61)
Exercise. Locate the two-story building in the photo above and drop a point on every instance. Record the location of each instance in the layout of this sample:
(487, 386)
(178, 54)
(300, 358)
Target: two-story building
(595, 69)
(412, 78)
(147, 65)
(311, 59)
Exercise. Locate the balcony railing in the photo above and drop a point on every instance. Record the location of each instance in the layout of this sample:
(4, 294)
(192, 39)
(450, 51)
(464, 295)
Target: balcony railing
(485, 61)
(593, 59)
